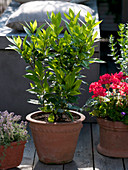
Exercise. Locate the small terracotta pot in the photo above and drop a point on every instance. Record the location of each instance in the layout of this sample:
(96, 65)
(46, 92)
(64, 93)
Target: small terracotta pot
(55, 142)
(113, 138)
(13, 155)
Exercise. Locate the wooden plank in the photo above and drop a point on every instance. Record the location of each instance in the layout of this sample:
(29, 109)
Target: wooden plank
(41, 166)
(126, 164)
(83, 155)
(28, 156)
(82, 158)
(100, 161)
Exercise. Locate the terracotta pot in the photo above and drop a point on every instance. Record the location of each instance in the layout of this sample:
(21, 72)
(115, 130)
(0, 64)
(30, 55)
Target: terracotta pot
(113, 138)
(13, 155)
(55, 142)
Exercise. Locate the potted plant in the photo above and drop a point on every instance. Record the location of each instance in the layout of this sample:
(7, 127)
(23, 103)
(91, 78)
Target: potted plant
(110, 100)
(13, 136)
(109, 104)
(54, 67)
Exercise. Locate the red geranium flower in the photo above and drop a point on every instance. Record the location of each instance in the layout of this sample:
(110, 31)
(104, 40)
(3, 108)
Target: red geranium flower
(105, 79)
(97, 89)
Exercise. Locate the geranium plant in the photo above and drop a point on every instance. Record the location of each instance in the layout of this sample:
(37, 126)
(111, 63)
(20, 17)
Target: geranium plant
(55, 61)
(110, 97)
(10, 128)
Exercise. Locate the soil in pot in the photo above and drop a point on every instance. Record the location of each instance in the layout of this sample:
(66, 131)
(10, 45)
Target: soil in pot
(55, 142)
(40, 116)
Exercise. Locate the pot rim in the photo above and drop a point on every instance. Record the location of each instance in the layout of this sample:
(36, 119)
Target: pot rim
(106, 120)
(21, 142)
(109, 123)
(30, 119)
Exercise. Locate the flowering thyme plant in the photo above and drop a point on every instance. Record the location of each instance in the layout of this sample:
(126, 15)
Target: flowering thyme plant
(10, 129)
(110, 97)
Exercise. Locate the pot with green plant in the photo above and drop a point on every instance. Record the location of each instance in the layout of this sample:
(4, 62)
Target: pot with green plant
(109, 104)
(54, 67)
(110, 100)
(13, 137)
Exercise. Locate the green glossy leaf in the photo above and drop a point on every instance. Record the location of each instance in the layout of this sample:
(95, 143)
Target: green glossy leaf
(69, 80)
(27, 31)
(58, 19)
(33, 101)
(71, 13)
(39, 68)
(34, 26)
(67, 16)
(73, 92)
(69, 115)
(11, 40)
(95, 35)
(32, 77)
(76, 18)
(85, 64)
(97, 23)
(40, 28)
(96, 60)
(51, 118)
(49, 17)
(34, 91)
(77, 85)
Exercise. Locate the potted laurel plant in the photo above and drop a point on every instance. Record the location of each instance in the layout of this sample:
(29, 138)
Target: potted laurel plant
(13, 136)
(109, 102)
(54, 68)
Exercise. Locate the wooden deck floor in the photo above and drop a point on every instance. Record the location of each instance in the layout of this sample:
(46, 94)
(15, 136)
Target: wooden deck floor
(86, 156)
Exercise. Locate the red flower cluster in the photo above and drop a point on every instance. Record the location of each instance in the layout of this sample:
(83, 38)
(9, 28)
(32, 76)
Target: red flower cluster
(105, 79)
(123, 89)
(97, 89)
(120, 76)
(113, 81)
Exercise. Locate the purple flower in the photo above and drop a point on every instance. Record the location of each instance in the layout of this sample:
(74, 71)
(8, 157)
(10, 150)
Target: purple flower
(11, 129)
(16, 118)
(123, 113)
(1, 119)
(5, 113)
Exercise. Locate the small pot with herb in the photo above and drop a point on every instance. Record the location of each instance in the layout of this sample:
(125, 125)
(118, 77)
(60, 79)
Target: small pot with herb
(13, 136)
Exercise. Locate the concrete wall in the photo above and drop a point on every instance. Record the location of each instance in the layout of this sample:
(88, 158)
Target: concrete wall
(13, 95)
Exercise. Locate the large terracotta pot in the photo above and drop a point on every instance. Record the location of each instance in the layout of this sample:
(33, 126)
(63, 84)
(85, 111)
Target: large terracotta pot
(113, 138)
(55, 142)
(13, 155)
